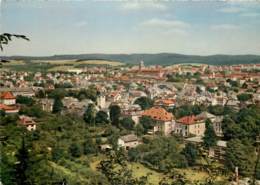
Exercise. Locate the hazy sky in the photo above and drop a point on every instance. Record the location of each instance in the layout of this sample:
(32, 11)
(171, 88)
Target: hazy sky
(73, 27)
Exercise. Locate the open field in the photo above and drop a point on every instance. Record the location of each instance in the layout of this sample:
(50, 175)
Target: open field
(55, 65)
(14, 62)
(62, 68)
(86, 62)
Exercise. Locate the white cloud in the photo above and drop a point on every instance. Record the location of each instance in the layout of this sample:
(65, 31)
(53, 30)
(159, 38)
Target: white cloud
(224, 27)
(250, 14)
(245, 12)
(142, 5)
(232, 10)
(166, 24)
(165, 27)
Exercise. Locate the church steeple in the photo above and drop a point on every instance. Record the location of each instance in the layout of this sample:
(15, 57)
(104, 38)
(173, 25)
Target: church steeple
(141, 65)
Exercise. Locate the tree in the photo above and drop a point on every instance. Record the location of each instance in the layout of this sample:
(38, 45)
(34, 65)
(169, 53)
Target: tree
(114, 112)
(112, 134)
(2, 113)
(174, 178)
(241, 155)
(5, 38)
(230, 128)
(133, 154)
(116, 170)
(75, 150)
(186, 110)
(57, 105)
(24, 100)
(243, 124)
(22, 165)
(210, 138)
(244, 97)
(191, 153)
(58, 93)
(90, 114)
(40, 94)
(139, 130)
(216, 109)
(147, 123)
(144, 102)
(127, 123)
(57, 153)
(90, 93)
(89, 147)
(102, 117)
(7, 172)
(34, 111)
(198, 90)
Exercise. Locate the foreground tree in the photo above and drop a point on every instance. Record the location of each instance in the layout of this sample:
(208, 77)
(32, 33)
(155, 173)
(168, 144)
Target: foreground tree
(147, 123)
(25, 100)
(117, 172)
(5, 38)
(114, 112)
(241, 155)
(210, 138)
(22, 165)
(191, 153)
(90, 114)
(75, 150)
(174, 178)
(57, 105)
(89, 147)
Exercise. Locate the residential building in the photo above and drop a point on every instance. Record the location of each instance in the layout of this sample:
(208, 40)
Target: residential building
(28, 122)
(165, 120)
(7, 98)
(190, 125)
(128, 141)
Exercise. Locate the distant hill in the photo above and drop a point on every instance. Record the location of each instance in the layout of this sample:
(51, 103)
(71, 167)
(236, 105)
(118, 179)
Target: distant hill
(152, 59)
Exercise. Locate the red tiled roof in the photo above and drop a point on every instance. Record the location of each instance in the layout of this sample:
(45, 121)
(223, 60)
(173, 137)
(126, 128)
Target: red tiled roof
(158, 113)
(187, 120)
(166, 101)
(25, 120)
(7, 95)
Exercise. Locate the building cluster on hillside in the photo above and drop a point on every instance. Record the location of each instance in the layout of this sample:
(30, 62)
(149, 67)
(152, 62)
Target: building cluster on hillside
(201, 85)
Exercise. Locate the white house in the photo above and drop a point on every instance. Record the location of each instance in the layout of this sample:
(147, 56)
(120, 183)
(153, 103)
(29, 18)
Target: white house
(7, 98)
(128, 141)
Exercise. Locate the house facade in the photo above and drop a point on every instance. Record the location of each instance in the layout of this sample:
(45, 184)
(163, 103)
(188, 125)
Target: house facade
(128, 141)
(28, 122)
(165, 120)
(190, 125)
(7, 98)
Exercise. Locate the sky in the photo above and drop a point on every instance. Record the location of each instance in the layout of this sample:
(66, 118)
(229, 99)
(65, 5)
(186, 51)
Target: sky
(136, 26)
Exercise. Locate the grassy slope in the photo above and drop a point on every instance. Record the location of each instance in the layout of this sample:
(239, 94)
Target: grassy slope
(154, 176)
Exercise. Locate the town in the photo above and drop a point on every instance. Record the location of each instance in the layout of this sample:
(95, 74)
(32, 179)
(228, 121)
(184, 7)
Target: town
(132, 124)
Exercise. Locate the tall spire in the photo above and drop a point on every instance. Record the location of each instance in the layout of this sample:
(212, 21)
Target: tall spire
(141, 65)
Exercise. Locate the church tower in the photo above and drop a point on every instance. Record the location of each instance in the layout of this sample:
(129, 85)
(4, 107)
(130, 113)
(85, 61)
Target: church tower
(141, 65)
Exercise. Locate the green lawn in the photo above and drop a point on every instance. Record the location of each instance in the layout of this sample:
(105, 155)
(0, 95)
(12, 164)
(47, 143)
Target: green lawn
(140, 170)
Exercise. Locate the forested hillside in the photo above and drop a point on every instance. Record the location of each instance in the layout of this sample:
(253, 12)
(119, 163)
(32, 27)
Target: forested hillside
(152, 59)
